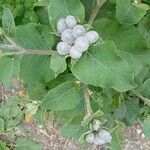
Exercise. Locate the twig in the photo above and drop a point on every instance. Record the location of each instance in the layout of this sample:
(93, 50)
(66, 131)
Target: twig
(99, 4)
(89, 111)
(146, 100)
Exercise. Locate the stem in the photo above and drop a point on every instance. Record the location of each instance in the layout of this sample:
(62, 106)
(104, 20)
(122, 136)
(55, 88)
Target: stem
(99, 4)
(23, 51)
(30, 52)
(146, 100)
(89, 111)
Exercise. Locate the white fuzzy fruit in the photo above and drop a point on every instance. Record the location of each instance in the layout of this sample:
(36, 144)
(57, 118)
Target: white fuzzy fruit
(63, 48)
(78, 30)
(105, 135)
(95, 125)
(74, 53)
(67, 36)
(92, 36)
(81, 44)
(98, 141)
(61, 25)
(89, 138)
(71, 21)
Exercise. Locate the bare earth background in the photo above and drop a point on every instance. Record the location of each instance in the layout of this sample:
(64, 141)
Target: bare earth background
(52, 140)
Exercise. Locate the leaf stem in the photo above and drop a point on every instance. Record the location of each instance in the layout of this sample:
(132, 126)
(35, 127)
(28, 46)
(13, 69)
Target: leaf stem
(99, 4)
(29, 52)
(89, 111)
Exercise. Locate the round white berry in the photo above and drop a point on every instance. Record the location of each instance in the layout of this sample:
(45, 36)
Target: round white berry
(67, 36)
(105, 135)
(92, 36)
(81, 44)
(98, 141)
(63, 48)
(74, 53)
(78, 30)
(61, 25)
(89, 137)
(95, 125)
(71, 21)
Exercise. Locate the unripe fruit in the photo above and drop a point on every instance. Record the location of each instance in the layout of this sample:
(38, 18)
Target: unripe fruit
(95, 125)
(98, 141)
(74, 53)
(105, 135)
(67, 36)
(63, 48)
(78, 30)
(71, 21)
(81, 44)
(89, 138)
(92, 36)
(61, 25)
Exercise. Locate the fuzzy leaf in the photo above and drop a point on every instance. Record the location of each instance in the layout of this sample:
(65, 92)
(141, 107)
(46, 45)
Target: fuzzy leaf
(73, 128)
(63, 97)
(101, 66)
(144, 89)
(34, 68)
(58, 64)
(58, 9)
(146, 127)
(130, 13)
(8, 20)
(27, 143)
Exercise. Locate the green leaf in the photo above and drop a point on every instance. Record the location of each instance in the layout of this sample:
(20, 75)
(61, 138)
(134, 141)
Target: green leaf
(58, 64)
(130, 13)
(58, 9)
(120, 112)
(35, 68)
(27, 143)
(117, 135)
(144, 89)
(9, 68)
(73, 128)
(101, 66)
(144, 28)
(8, 20)
(11, 113)
(2, 126)
(132, 110)
(129, 42)
(146, 127)
(63, 97)
(3, 146)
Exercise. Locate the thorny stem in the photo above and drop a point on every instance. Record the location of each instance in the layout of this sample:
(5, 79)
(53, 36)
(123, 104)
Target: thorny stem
(99, 4)
(89, 111)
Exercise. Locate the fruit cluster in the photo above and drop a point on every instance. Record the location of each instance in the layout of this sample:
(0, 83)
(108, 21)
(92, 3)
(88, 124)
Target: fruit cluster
(75, 38)
(98, 135)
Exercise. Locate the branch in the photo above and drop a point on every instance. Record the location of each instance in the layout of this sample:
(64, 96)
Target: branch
(89, 111)
(99, 4)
